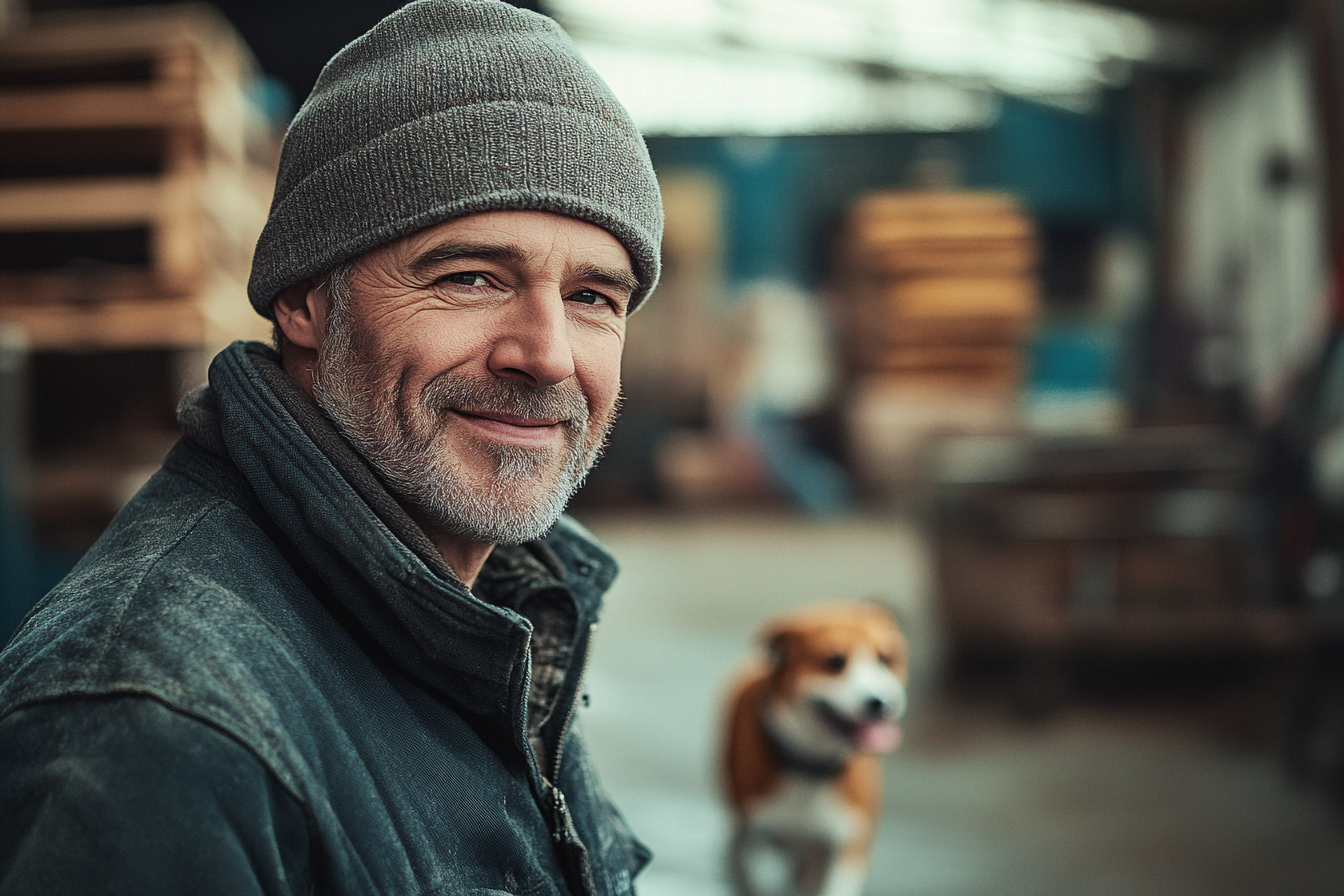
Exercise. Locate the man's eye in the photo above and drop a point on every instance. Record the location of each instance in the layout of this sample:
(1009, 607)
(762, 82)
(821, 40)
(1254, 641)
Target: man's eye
(588, 297)
(467, 278)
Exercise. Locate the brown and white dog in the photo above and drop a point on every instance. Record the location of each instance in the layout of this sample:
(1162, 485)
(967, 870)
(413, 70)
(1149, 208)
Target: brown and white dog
(801, 762)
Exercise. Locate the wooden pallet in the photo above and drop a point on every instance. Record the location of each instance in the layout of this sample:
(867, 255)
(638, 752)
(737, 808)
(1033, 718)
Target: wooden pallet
(192, 222)
(876, 211)
(878, 324)
(922, 256)
(992, 361)
(1001, 228)
(950, 296)
(175, 325)
(181, 69)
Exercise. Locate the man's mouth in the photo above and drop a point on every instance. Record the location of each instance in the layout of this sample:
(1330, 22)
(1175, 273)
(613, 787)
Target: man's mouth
(506, 427)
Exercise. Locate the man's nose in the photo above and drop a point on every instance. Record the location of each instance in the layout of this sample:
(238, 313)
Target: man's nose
(533, 342)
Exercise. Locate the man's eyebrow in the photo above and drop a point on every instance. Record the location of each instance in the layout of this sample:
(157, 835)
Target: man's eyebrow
(617, 278)
(427, 260)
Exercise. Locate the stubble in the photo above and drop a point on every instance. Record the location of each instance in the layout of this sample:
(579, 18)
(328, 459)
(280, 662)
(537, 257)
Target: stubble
(515, 496)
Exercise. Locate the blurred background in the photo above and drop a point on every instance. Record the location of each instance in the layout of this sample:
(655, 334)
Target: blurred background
(1018, 315)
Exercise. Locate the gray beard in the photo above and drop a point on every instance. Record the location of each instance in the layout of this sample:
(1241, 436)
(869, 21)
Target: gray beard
(526, 494)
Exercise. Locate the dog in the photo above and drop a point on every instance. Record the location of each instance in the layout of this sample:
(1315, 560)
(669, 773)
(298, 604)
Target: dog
(804, 734)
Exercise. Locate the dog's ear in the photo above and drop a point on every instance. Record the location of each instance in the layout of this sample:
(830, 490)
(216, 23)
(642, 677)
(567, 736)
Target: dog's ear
(885, 604)
(777, 640)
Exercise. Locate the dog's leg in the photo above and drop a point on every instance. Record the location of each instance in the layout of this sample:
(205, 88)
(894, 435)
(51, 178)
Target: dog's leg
(757, 865)
(737, 863)
(813, 860)
(765, 863)
(846, 876)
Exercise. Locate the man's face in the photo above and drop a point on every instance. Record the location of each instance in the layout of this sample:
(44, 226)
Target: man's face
(476, 365)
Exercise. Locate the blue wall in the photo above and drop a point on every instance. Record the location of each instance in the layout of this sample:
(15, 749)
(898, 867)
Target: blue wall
(785, 196)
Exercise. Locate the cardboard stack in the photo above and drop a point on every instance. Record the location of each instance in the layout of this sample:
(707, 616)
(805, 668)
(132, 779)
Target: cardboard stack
(935, 297)
(136, 167)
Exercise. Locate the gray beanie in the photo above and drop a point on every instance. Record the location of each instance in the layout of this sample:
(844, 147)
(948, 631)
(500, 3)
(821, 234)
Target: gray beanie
(449, 108)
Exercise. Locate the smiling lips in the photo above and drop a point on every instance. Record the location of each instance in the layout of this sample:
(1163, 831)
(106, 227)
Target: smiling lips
(504, 427)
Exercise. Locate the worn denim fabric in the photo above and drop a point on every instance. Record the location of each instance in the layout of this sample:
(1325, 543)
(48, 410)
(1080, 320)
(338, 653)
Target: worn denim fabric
(252, 684)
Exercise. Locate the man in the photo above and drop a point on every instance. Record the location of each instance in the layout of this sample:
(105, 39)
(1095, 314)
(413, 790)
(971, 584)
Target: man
(335, 644)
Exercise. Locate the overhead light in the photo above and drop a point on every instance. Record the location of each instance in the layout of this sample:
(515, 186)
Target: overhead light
(799, 66)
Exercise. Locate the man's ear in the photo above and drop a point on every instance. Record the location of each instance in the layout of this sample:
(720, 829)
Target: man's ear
(301, 314)
(301, 311)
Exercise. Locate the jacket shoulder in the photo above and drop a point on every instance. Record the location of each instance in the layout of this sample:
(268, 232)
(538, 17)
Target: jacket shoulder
(157, 786)
(184, 599)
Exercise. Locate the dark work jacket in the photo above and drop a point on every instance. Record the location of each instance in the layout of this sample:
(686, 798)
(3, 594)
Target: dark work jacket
(262, 679)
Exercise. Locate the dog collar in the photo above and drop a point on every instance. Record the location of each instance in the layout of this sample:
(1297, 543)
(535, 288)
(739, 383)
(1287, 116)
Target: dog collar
(802, 764)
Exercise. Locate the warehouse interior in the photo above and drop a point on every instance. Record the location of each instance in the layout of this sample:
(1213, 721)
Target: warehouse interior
(1021, 316)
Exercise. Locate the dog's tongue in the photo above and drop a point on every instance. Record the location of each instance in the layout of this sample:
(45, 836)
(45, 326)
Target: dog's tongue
(878, 737)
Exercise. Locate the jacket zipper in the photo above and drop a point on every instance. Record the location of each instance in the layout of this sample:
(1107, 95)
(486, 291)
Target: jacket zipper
(573, 704)
(563, 830)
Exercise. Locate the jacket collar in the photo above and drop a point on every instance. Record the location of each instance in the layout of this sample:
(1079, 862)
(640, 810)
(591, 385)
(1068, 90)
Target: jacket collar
(374, 560)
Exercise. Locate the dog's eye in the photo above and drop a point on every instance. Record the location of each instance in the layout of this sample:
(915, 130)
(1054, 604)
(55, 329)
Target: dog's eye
(885, 659)
(834, 663)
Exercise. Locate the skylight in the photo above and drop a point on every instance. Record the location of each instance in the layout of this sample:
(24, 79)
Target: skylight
(808, 66)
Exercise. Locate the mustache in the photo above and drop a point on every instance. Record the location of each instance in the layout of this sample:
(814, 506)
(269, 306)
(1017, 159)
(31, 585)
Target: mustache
(564, 401)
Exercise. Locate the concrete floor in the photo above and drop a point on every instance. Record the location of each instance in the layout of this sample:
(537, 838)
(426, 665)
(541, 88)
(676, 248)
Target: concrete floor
(1093, 802)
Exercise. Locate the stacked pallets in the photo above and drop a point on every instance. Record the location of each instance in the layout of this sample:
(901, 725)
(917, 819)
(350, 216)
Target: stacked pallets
(135, 174)
(936, 295)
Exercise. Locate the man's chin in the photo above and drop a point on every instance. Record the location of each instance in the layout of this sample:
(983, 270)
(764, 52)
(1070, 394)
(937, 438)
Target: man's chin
(500, 524)
(517, 476)
(492, 509)
(490, 493)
